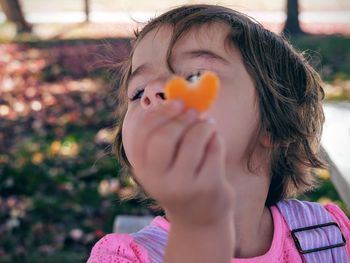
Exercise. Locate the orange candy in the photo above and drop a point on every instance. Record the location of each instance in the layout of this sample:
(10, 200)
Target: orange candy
(199, 94)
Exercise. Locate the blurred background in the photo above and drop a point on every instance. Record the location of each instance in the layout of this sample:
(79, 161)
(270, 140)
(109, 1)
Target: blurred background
(60, 186)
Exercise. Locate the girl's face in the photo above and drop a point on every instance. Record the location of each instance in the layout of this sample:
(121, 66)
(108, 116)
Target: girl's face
(203, 48)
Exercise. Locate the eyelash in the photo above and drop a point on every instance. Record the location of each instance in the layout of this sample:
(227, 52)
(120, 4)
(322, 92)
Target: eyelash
(138, 91)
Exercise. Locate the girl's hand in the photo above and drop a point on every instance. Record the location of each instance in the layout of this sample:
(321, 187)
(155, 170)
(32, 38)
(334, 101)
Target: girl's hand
(180, 162)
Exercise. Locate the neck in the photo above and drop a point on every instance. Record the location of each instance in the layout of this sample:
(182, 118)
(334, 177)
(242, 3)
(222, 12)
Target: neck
(253, 221)
(254, 230)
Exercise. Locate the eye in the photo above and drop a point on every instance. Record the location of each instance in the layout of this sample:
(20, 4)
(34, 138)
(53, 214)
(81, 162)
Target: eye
(193, 76)
(137, 94)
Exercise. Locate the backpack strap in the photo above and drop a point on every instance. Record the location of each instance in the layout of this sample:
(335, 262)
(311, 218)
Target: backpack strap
(316, 236)
(153, 239)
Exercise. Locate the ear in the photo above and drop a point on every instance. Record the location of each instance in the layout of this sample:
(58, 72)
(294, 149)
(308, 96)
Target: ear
(265, 140)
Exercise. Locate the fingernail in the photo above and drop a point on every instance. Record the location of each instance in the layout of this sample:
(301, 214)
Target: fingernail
(211, 120)
(177, 104)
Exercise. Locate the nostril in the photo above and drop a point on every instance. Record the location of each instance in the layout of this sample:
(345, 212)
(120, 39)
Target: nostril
(162, 95)
(147, 101)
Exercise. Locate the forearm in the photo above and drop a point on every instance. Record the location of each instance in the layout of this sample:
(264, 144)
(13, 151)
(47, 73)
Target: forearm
(210, 244)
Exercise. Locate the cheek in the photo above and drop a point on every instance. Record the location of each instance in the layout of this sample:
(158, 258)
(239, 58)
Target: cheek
(128, 135)
(237, 122)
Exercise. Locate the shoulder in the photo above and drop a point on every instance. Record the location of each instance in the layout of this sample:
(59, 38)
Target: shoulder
(301, 212)
(338, 215)
(342, 220)
(296, 211)
(117, 248)
(144, 246)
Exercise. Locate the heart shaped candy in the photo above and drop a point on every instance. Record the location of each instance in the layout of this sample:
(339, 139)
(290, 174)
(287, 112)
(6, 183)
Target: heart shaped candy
(199, 94)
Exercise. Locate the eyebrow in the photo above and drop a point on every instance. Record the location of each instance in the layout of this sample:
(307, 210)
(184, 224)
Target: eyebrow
(139, 70)
(198, 53)
(203, 53)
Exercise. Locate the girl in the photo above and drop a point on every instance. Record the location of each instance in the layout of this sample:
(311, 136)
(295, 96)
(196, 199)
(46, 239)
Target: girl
(223, 178)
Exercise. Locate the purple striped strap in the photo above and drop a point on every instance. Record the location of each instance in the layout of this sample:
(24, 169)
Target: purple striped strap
(153, 239)
(301, 214)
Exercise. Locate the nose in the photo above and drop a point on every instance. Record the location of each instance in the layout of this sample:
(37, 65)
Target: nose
(153, 94)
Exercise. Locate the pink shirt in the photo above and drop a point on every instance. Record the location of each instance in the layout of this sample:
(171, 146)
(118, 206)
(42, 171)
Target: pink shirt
(121, 248)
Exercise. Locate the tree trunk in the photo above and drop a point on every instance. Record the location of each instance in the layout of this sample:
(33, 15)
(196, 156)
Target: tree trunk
(87, 10)
(14, 13)
(292, 26)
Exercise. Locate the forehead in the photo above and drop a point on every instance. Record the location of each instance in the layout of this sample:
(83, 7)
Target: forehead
(154, 44)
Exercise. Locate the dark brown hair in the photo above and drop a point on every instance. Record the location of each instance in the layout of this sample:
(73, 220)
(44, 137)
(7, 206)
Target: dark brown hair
(289, 95)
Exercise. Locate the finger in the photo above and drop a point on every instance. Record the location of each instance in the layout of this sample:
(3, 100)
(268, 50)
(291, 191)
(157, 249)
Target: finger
(151, 121)
(211, 178)
(192, 147)
(164, 142)
(214, 159)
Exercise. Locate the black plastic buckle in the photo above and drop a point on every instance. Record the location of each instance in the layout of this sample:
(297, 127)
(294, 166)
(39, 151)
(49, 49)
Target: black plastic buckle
(300, 249)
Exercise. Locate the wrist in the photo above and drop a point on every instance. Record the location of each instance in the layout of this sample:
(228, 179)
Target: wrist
(196, 242)
(223, 224)
(217, 222)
